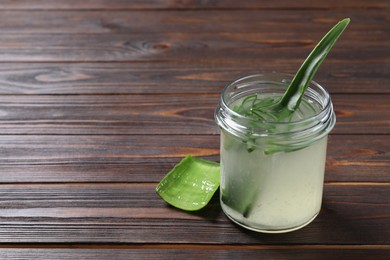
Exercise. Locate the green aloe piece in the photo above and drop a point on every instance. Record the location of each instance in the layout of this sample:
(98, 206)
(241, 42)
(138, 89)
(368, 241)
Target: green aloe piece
(294, 93)
(282, 109)
(190, 184)
(270, 109)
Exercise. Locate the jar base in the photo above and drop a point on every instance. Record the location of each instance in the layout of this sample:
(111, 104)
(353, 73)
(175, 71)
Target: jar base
(271, 231)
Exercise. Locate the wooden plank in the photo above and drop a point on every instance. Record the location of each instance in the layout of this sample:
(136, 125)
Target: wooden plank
(160, 114)
(367, 111)
(102, 149)
(360, 252)
(99, 159)
(302, 22)
(243, 48)
(150, 114)
(187, 4)
(162, 78)
(133, 213)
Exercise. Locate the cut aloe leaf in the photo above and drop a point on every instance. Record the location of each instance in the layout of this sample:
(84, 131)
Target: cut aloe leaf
(294, 93)
(191, 184)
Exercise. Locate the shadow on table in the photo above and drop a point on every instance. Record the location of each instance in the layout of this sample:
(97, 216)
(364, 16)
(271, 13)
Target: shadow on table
(330, 227)
(212, 212)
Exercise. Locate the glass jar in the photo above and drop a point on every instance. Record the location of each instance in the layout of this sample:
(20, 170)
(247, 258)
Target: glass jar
(272, 173)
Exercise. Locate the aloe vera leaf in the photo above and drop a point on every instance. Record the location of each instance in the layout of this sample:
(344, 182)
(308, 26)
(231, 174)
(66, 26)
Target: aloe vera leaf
(264, 103)
(191, 184)
(294, 93)
(292, 97)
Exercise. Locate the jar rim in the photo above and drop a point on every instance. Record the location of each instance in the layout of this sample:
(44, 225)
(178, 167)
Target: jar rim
(324, 107)
(322, 121)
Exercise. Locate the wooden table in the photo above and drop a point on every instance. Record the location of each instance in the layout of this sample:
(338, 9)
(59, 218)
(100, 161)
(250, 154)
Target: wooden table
(100, 99)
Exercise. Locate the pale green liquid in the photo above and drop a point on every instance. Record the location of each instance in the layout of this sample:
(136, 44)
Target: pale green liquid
(275, 192)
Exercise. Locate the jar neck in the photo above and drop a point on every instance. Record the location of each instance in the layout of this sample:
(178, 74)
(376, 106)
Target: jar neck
(307, 129)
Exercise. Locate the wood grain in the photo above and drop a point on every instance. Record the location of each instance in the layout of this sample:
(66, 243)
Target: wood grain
(160, 114)
(133, 213)
(51, 149)
(256, 48)
(204, 252)
(304, 22)
(58, 159)
(188, 4)
(370, 77)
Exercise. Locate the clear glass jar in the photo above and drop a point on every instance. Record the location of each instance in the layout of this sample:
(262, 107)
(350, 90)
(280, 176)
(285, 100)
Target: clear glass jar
(272, 173)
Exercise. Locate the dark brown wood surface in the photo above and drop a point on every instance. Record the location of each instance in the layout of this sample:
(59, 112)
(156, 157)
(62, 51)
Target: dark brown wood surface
(100, 99)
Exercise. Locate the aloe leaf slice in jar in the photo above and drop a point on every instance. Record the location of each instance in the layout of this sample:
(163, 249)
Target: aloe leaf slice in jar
(293, 96)
(291, 99)
(191, 184)
(283, 109)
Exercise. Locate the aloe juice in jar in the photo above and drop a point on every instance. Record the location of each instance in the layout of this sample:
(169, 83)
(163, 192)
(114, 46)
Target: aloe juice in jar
(272, 172)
